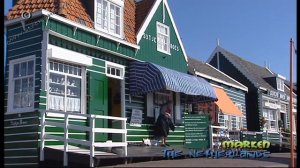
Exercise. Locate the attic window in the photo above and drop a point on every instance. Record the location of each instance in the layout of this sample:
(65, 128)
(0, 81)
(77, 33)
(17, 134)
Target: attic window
(109, 16)
(81, 21)
(280, 84)
(163, 38)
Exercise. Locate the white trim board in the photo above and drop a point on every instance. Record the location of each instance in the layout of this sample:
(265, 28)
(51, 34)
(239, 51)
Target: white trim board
(218, 80)
(149, 18)
(63, 54)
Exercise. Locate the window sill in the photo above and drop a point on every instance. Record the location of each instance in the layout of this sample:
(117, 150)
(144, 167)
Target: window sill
(62, 116)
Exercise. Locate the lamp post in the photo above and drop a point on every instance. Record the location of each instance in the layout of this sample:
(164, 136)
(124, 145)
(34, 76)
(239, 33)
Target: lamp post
(291, 104)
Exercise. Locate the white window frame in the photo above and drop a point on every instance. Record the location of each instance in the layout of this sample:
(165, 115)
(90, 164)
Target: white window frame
(11, 85)
(169, 38)
(118, 3)
(269, 119)
(280, 84)
(82, 90)
(109, 65)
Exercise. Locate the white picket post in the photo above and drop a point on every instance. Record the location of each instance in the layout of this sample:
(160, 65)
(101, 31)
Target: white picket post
(92, 140)
(66, 146)
(42, 136)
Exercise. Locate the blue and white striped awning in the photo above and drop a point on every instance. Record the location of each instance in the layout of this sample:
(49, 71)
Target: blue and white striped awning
(147, 77)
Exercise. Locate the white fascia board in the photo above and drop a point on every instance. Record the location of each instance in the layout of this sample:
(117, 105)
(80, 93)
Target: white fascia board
(281, 77)
(262, 88)
(149, 18)
(242, 86)
(74, 24)
(221, 81)
(66, 55)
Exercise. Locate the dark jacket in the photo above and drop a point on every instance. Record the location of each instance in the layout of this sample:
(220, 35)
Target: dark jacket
(162, 126)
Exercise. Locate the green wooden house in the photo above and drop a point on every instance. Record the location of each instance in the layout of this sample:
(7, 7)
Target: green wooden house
(69, 63)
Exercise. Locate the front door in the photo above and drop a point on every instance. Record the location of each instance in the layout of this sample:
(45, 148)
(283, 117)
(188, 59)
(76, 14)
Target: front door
(98, 101)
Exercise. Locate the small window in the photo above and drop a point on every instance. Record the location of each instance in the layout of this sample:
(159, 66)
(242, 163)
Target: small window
(21, 85)
(115, 70)
(280, 84)
(163, 38)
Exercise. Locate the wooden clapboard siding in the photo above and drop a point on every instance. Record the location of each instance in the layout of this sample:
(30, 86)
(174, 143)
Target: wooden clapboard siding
(88, 38)
(21, 130)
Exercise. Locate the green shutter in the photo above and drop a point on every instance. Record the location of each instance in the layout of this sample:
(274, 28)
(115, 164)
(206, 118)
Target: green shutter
(98, 101)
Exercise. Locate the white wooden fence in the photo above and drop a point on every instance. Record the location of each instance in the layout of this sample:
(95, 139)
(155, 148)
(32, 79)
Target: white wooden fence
(91, 129)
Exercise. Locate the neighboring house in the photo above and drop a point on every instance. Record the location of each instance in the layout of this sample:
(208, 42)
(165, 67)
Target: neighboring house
(230, 110)
(103, 57)
(267, 95)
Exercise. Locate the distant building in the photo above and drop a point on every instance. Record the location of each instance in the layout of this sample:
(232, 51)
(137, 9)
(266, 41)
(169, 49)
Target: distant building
(267, 97)
(230, 109)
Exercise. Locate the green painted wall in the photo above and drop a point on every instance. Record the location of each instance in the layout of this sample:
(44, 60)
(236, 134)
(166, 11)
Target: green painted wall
(148, 46)
(21, 130)
(88, 38)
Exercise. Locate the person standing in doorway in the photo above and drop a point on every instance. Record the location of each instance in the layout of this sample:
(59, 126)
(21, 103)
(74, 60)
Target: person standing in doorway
(164, 123)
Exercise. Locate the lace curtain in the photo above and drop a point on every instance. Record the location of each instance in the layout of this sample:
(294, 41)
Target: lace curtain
(57, 103)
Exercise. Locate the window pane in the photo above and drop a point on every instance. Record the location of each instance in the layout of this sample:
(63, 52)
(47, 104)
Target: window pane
(70, 69)
(118, 11)
(55, 66)
(17, 101)
(17, 86)
(30, 67)
(30, 84)
(23, 68)
(16, 70)
(51, 65)
(108, 70)
(113, 71)
(61, 68)
(66, 68)
(118, 72)
(25, 85)
(75, 71)
(79, 71)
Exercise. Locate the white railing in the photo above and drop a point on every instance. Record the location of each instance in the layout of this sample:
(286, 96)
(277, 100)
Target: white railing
(91, 129)
(217, 136)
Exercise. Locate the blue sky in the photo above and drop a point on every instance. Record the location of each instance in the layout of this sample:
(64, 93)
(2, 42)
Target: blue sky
(256, 30)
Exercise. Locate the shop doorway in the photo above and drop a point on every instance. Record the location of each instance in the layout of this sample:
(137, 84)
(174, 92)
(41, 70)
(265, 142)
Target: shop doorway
(114, 106)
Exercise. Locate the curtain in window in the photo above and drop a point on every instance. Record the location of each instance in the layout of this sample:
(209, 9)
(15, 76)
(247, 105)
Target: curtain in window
(73, 104)
(56, 102)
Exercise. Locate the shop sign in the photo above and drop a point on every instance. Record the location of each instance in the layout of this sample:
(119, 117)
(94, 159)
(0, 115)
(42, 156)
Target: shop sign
(196, 131)
(272, 105)
(136, 118)
(281, 96)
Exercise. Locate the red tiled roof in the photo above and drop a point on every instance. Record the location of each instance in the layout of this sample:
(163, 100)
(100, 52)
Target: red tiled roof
(70, 9)
(142, 10)
(32, 6)
(129, 21)
(134, 13)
